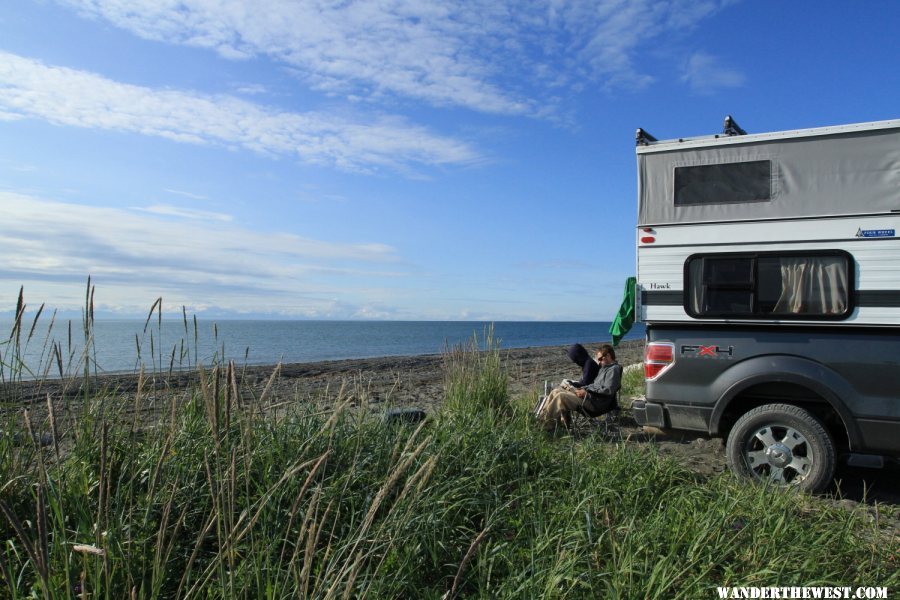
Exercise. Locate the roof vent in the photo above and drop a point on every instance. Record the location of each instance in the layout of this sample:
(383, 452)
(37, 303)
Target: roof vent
(731, 127)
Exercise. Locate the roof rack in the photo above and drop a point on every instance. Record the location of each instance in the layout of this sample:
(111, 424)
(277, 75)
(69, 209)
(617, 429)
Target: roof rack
(732, 133)
(731, 127)
(642, 138)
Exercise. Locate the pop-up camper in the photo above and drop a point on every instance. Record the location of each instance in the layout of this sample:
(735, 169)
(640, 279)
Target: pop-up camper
(769, 282)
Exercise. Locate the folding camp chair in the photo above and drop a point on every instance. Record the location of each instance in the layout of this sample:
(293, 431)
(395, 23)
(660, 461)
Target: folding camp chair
(607, 420)
(608, 423)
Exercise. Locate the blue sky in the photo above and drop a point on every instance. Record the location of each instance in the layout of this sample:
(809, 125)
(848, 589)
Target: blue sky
(385, 159)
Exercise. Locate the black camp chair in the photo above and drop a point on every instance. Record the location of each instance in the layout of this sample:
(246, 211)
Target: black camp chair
(609, 421)
(592, 419)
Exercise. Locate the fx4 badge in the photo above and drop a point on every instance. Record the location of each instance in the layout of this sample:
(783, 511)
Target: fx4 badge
(713, 351)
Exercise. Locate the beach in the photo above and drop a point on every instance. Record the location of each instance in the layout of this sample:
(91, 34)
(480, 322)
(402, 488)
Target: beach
(379, 384)
(401, 381)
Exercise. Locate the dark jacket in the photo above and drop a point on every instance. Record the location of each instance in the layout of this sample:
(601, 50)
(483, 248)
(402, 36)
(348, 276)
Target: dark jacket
(589, 368)
(601, 394)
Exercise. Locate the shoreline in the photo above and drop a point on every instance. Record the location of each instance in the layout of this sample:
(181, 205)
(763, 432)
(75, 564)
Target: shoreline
(382, 383)
(400, 380)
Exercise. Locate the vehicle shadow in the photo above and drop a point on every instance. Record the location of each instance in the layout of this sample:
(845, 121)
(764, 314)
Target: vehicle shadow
(706, 457)
(868, 486)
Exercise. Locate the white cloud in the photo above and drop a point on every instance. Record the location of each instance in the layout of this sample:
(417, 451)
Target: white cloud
(185, 213)
(137, 256)
(704, 74)
(190, 195)
(16, 166)
(63, 96)
(479, 54)
(251, 89)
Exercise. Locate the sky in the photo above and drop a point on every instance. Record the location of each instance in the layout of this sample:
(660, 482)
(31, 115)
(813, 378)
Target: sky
(383, 159)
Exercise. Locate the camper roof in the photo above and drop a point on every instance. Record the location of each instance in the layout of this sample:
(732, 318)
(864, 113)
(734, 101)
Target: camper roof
(650, 144)
(827, 171)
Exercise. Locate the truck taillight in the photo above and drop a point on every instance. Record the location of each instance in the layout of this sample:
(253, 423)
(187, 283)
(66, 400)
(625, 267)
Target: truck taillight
(658, 356)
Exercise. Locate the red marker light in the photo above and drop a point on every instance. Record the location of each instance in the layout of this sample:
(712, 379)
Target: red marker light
(648, 239)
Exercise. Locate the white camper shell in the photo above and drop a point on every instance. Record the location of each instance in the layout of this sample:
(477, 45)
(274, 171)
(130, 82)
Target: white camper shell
(769, 282)
(829, 197)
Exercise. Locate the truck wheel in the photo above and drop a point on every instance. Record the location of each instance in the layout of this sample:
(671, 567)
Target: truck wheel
(782, 445)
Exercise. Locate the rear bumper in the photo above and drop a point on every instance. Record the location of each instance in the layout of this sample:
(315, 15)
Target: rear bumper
(881, 436)
(671, 416)
(648, 413)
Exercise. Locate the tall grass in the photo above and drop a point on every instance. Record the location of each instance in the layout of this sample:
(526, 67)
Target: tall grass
(633, 384)
(219, 499)
(43, 348)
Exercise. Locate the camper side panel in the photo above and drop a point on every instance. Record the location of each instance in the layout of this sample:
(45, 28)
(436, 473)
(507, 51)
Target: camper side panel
(870, 243)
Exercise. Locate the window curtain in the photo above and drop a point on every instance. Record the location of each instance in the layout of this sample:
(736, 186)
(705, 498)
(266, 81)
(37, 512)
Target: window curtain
(816, 285)
(696, 286)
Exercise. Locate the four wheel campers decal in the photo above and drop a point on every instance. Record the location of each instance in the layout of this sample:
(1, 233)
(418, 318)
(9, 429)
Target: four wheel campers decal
(711, 351)
(874, 233)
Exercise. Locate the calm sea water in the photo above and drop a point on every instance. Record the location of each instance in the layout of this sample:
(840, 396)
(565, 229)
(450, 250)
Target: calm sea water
(122, 345)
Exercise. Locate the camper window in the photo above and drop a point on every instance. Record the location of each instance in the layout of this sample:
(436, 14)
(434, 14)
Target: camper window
(724, 183)
(769, 285)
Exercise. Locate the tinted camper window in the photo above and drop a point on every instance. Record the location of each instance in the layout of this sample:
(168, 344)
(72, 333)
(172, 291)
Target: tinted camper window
(784, 285)
(724, 183)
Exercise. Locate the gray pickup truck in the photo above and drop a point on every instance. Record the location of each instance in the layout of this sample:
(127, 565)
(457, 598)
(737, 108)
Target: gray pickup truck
(769, 282)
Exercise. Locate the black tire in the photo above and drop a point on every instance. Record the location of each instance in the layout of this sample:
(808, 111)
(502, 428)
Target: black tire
(782, 445)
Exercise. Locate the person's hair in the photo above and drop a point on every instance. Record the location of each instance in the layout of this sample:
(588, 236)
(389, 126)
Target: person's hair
(606, 349)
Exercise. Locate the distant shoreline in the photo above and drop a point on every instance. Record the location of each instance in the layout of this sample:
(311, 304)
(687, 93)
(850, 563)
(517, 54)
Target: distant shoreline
(119, 348)
(403, 379)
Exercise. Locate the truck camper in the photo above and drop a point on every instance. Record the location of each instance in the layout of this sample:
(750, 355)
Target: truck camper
(768, 278)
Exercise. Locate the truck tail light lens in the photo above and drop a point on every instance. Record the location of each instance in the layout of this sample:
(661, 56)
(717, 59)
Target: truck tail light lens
(658, 356)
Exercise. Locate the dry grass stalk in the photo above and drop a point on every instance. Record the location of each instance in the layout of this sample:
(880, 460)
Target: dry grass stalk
(300, 494)
(102, 503)
(213, 408)
(164, 525)
(311, 547)
(43, 547)
(164, 560)
(88, 549)
(382, 493)
(354, 572)
(263, 502)
(232, 381)
(29, 429)
(465, 561)
(30, 547)
(229, 540)
(53, 432)
(213, 518)
(137, 399)
(342, 406)
(420, 478)
(272, 378)
(157, 469)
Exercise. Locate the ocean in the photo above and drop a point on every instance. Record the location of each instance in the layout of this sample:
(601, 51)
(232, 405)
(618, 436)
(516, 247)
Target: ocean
(123, 345)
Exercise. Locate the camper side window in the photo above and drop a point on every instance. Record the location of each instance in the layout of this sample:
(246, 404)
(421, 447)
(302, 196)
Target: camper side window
(781, 285)
(725, 183)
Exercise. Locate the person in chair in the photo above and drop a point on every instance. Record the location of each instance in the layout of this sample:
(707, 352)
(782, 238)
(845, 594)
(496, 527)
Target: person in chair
(595, 398)
(589, 369)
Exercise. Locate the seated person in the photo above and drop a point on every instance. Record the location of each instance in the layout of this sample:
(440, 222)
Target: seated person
(595, 398)
(589, 369)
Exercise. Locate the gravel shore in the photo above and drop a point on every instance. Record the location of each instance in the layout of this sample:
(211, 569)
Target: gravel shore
(409, 382)
(403, 381)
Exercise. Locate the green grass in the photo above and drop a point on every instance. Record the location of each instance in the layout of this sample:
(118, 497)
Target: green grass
(633, 384)
(217, 499)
